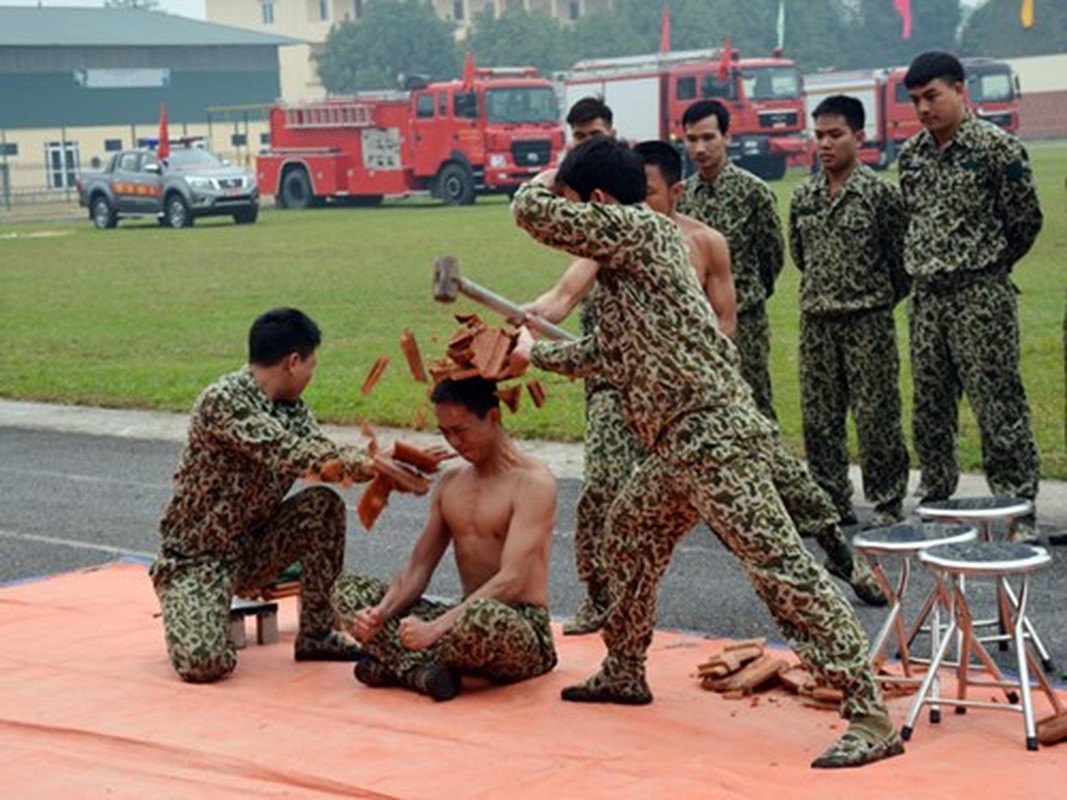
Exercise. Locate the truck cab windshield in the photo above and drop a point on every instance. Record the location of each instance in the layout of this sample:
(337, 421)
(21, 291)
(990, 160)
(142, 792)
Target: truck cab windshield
(989, 87)
(517, 105)
(771, 83)
(191, 158)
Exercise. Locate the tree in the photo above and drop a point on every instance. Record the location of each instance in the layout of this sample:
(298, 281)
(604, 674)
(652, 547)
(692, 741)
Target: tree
(994, 29)
(393, 40)
(518, 38)
(875, 36)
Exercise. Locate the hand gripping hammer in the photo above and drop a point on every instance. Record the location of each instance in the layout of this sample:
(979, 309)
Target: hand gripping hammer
(448, 284)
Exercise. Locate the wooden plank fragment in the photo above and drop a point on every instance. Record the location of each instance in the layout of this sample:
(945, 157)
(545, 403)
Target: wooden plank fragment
(537, 392)
(374, 374)
(414, 358)
(373, 500)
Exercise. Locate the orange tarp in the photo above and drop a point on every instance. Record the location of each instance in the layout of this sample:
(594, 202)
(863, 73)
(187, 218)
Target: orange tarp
(89, 707)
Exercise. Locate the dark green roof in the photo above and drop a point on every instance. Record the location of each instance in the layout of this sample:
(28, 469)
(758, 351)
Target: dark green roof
(119, 27)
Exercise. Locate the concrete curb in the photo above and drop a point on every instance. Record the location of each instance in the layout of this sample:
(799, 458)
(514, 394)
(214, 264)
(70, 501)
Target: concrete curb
(565, 459)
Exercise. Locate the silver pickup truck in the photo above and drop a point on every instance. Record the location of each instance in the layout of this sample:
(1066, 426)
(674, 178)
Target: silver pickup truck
(191, 182)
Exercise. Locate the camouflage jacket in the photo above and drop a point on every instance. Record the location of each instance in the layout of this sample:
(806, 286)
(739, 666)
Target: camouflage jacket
(744, 209)
(849, 248)
(587, 320)
(973, 206)
(656, 339)
(243, 454)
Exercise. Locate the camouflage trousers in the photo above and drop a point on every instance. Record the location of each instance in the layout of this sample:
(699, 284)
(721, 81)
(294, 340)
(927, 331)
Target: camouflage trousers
(611, 454)
(195, 592)
(701, 469)
(753, 342)
(503, 642)
(851, 361)
(968, 341)
(611, 451)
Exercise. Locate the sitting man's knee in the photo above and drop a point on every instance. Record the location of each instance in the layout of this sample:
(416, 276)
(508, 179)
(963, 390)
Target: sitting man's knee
(326, 502)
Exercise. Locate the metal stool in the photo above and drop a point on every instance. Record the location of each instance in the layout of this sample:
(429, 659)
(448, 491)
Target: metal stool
(950, 563)
(905, 541)
(985, 512)
(980, 511)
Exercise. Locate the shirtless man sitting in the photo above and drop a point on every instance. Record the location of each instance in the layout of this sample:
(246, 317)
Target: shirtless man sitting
(497, 511)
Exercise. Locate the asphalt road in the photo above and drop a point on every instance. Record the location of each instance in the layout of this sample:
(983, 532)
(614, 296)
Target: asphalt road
(72, 500)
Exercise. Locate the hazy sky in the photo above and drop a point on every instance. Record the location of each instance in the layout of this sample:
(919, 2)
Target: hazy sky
(187, 8)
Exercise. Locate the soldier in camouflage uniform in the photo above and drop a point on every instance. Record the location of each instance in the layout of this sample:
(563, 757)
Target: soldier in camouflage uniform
(497, 513)
(969, 190)
(846, 232)
(710, 451)
(230, 527)
(744, 208)
(612, 450)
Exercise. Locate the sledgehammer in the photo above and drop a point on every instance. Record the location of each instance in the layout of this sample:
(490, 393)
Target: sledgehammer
(448, 284)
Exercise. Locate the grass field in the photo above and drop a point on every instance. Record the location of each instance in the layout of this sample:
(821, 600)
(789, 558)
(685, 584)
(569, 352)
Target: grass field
(144, 317)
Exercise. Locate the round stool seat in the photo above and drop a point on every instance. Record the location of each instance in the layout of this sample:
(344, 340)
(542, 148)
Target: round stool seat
(986, 558)
(907, 538)
(976, 508)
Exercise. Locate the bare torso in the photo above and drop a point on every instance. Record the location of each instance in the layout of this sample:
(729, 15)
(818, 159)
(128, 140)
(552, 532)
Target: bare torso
(481, 511)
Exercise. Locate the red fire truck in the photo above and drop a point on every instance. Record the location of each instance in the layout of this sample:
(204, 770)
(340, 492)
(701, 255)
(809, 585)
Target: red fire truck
(649, 93)
(992, 93)
(454, 139)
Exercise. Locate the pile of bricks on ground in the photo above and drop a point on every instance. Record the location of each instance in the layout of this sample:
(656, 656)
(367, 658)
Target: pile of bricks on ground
(744, 668)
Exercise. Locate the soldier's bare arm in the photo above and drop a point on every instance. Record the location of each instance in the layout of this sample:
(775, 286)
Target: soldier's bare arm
(557, 303)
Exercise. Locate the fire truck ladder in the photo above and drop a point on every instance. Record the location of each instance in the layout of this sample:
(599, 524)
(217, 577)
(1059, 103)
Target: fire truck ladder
(625, 65)
(330, 115)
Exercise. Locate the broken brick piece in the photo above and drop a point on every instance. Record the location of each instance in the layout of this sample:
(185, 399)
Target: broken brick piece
(537, 392)
(411, 353)
(420, 459)
(796, 679)
(510, 397)
(749, 678)
(403, 479)
(332, 471)
(374, 498)
(374, 374)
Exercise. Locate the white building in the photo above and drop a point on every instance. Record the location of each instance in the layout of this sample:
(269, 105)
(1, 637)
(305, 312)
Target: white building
(310, 21)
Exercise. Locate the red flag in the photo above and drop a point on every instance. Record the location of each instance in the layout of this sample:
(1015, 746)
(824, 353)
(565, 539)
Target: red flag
(724, 62)
(468, 71)
(904, 9)
(665, 30)
(163, 150)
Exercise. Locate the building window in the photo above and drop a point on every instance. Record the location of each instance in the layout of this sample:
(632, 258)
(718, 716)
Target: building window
(62, 163)
(266, 10)
(357, 8)
(324, 10)
(490, 8)
(458, 11)
(574, 10)
(112, 145)
(264, 138)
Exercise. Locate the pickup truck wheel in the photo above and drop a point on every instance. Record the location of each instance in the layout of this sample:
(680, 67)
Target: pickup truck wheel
(104, 215)
(296, 190)
(246, 216)
(455, 185)
(177, 212)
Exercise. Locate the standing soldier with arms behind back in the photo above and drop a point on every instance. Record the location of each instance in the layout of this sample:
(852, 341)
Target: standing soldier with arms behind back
(743, 208)
(969, 190)
(846, 233)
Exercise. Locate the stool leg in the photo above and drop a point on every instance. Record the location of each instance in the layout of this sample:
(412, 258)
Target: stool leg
(1046, 658)
(935, 663)
(1024, 674)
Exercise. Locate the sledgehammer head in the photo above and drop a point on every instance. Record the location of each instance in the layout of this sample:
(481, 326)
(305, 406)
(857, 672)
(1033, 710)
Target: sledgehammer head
(445, 279)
